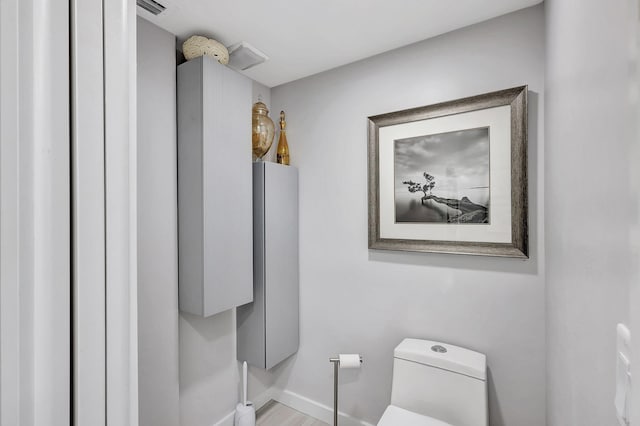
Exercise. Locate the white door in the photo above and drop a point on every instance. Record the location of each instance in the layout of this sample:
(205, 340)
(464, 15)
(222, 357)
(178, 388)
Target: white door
(104, 215)
(35, 266)
(68, 340)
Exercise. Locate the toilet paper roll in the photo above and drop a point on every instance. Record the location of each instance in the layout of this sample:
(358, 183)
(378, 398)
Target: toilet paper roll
(349, 360)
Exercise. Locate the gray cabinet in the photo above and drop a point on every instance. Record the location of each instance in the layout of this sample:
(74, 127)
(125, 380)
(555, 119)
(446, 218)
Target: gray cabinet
(268, 328)
(214, 188)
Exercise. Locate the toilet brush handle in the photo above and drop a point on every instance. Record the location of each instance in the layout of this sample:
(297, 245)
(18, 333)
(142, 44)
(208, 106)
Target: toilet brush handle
(244, 383)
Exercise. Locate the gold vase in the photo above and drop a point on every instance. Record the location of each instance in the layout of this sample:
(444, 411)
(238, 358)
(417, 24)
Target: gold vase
(263, 130)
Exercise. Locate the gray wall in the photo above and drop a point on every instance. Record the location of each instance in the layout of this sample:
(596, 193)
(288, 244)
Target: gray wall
(634, 160)
(191, 377)
(157, 228)
(356, 300)
(361, 301)
(589, 204)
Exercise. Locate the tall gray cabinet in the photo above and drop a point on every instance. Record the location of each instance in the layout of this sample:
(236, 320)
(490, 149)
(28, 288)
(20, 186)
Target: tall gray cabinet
(267, 329)
(214, 188)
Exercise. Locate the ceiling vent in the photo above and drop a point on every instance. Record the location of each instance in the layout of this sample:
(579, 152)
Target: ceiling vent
(243, 56)
(151, 6)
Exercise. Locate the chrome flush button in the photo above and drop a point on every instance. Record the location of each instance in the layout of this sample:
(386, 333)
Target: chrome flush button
(438, 348)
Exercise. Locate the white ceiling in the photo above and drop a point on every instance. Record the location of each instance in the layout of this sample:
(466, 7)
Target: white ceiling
(303, 38)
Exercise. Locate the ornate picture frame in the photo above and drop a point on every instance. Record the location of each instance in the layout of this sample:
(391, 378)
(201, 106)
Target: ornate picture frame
(451, 177)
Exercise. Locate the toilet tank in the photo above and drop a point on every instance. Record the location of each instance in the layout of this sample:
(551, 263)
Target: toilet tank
(442, 381)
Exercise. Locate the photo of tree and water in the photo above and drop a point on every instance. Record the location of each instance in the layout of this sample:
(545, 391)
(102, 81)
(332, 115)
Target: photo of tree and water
(443, 178)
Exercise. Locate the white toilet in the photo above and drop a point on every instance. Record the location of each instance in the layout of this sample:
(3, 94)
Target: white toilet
(436, 384)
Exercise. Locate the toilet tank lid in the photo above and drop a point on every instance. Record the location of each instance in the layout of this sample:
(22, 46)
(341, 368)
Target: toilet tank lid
(443, 355)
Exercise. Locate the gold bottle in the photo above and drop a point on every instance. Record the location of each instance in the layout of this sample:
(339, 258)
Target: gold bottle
(282, 156)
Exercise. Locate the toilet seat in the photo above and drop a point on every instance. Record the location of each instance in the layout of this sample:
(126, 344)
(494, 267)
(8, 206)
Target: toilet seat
(395, 416)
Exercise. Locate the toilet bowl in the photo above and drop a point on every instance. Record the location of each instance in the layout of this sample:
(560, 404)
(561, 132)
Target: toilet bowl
(398, 416)
(437, 384)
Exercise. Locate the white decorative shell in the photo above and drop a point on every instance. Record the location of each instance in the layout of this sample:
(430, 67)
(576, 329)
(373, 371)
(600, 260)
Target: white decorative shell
(197, 46)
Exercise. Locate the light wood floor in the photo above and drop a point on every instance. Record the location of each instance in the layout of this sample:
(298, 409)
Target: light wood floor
(275, 414)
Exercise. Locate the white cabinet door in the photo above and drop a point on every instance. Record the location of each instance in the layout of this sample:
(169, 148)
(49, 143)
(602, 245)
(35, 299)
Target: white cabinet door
(214, 188)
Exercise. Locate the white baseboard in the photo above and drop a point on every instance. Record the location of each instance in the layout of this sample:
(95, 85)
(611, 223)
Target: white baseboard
(226, 420)
(260, 400)
(314, 408)
(297, 402)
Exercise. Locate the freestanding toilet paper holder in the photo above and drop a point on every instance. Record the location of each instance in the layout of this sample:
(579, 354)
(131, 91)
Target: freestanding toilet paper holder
(336, 367)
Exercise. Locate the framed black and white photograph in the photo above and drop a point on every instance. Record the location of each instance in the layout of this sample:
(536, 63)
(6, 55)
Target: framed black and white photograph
(451, 177)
